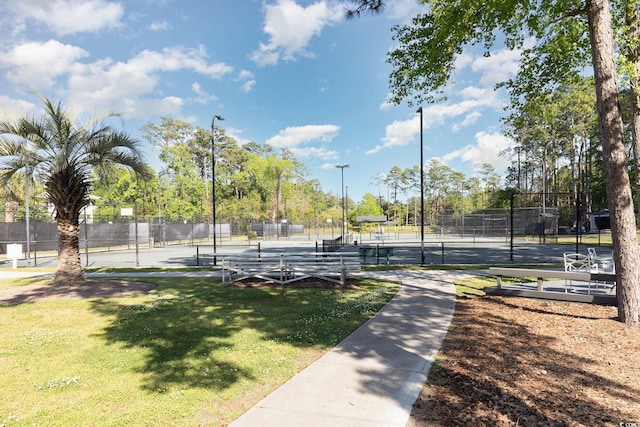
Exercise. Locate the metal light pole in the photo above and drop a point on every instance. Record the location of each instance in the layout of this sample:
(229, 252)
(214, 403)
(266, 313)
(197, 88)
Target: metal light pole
(213, 182)
(161, 232)
(27, 214)
(343, 205)
(421, 192)
(346, 209)
(159, 210)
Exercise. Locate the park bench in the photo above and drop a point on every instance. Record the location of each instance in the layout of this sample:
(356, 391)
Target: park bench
(287, 268)
(541, 274)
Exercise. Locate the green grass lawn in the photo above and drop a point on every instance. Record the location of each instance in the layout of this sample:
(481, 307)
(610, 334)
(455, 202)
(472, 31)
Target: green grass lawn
(188, 353)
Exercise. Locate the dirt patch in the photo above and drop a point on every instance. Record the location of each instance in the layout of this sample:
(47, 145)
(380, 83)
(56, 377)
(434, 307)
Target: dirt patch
(88, 289)
(516, 361)
(122, 288)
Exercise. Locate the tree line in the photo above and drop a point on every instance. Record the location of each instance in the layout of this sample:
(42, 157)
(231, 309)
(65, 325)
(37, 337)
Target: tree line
(555, 156)
(257, 182)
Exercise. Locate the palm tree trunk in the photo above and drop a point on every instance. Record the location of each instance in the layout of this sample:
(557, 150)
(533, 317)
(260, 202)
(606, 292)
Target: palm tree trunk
(69, 266)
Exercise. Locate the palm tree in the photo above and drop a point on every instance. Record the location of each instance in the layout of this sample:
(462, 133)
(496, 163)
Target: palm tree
(63, 155)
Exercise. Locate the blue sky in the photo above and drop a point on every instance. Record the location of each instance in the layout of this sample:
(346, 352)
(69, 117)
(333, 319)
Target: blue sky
(291, 73)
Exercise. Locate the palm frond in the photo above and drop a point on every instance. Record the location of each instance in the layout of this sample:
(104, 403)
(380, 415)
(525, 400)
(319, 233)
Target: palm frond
(59, 148)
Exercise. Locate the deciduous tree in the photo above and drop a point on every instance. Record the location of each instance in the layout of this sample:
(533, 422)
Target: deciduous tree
(564, 32)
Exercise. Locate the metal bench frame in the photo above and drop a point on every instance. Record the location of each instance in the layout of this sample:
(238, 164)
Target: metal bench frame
(288, 268)
(541, 274)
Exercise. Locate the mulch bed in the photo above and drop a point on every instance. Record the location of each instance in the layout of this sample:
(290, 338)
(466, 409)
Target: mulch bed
(524, 362)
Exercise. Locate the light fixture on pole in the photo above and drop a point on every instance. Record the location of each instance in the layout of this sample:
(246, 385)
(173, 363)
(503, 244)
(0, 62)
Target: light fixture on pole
(421, 192)
(343, 205)
(213, 181)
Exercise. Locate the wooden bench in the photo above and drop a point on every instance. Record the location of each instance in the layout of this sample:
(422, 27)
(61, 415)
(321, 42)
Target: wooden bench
(287, 268)
(541, 274)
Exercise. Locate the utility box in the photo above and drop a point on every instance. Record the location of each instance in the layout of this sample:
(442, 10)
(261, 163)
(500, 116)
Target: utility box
(14, 252)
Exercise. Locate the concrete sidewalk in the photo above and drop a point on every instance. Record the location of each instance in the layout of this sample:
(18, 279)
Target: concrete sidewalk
(374, 376)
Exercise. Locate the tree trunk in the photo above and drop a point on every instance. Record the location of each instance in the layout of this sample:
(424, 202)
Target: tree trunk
(69, 266)
(632, 18)
(618, 186)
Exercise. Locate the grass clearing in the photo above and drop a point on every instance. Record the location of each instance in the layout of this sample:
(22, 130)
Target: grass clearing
(190, 352)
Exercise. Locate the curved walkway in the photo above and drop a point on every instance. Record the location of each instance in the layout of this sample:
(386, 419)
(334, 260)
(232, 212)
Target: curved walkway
(374, 376)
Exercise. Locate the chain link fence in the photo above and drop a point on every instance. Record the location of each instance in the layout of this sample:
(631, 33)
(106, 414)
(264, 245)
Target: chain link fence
(489, 224)
(544, 223)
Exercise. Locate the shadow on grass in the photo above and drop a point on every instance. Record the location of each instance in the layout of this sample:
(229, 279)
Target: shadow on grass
(190, 328)
(179, 328)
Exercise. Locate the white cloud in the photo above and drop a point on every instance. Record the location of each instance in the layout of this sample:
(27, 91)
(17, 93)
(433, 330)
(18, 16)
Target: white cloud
(291, 27)
(398, 133)
(15, 108)
(403, 132)
(159, 26)
(236, 134)
(247, 81)
(245, 75)
(299, 140)
(178, 58)
(132, 86)
(248, 86)
(469, 119)
(463, 60)
(203, 97)
(314, 152)
(146, 107)
(324, 85)
(386, 105)
(39, 64)
(105, 82)
(66, 16)
(404, 10)
(486, 150)
(498, 67)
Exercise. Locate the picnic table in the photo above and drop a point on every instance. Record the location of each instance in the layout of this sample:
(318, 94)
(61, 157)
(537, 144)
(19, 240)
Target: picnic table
(375, 251)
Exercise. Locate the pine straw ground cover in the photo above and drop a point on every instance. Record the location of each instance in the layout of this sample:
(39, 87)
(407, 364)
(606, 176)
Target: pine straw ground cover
(515, 361)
